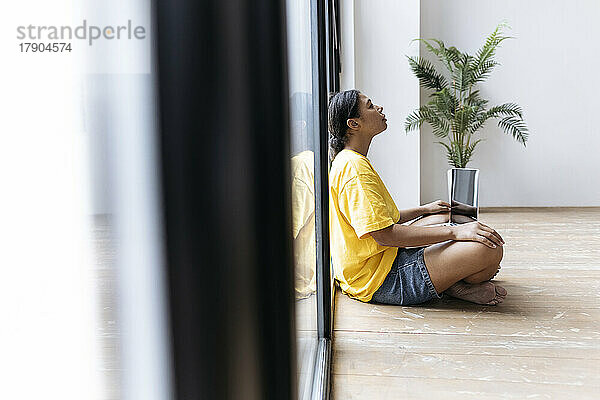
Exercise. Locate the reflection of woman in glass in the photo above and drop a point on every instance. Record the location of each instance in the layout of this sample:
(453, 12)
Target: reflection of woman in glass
(369, 240)
(303, 197)
(303, 222)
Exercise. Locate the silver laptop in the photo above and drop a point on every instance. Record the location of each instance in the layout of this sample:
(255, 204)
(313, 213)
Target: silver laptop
(463, 195)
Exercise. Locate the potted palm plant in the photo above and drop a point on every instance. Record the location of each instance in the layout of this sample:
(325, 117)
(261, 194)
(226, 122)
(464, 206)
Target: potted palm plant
(456, 111)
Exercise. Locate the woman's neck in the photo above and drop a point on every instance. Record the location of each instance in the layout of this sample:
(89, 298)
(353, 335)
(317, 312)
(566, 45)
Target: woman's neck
(359, 144)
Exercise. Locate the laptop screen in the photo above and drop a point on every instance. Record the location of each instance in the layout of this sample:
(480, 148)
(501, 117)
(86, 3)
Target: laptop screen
(463, 193)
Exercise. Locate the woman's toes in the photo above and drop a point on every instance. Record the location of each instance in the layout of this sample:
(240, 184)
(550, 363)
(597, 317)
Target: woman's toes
(497, 300)
(501, 291)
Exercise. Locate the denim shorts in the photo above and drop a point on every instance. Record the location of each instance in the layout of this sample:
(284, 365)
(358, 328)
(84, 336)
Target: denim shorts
(408, 281)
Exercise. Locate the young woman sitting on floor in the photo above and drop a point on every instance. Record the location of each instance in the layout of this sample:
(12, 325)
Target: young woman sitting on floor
(375, 257)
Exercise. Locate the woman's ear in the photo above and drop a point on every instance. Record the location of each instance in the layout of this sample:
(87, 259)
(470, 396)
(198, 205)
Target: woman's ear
(352, 124)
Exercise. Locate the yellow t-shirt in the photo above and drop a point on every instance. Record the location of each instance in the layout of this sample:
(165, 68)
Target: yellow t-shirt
(359, 203)
(303, 223)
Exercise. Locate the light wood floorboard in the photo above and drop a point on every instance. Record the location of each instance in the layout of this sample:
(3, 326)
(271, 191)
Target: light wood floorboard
(543, 342)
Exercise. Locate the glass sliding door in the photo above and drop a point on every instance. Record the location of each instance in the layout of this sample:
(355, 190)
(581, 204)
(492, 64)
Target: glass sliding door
(302, 160)
(313, 72)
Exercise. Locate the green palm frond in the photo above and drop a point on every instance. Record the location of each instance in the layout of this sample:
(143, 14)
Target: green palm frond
(416, 119)
(478, 122)
(506, 110)
(441, 127)
(470, 148)
(445, 103)
(492, 42)
(453, 154)
(481, 72)
(462, 75)
(465, 117)
(516, 127)
(475, 100)
(448, 56)
(428, 76)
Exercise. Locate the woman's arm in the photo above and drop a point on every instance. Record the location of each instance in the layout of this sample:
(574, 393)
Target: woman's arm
(397, 235)
(434, 207)
(411, 213)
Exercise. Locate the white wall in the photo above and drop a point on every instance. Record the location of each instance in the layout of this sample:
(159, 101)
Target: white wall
(381, 35)
(551, 71)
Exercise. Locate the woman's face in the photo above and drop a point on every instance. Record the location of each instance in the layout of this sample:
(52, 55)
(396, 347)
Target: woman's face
(372, 119)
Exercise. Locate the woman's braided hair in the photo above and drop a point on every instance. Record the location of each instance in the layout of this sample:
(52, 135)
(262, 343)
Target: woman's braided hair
(342, 106)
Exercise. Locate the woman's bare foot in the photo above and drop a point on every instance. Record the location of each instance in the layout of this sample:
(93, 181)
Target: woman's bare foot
(481, 293)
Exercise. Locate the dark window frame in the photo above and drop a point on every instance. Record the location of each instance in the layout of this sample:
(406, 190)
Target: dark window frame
(325, 28)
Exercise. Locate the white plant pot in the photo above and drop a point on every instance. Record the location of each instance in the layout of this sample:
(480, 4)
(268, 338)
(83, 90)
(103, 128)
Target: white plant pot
(463, 194)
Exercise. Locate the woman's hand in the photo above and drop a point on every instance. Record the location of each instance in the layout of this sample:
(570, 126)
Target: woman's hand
(436, 207)
(477, 232)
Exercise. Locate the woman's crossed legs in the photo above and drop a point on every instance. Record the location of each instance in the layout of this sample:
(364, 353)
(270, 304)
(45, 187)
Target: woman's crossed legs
(463, 269)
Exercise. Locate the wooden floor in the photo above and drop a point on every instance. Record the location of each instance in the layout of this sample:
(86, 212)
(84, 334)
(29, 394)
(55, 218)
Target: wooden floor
(543, 342)
(109, 331)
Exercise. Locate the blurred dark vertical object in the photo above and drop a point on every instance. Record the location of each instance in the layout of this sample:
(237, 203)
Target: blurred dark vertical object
(335, 68)
(333, 46)
(319, 87)
(223, 102)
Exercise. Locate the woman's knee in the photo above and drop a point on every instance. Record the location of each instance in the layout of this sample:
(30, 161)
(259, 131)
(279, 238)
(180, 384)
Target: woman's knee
(488, 264)
(488, 256)
(495, 255)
